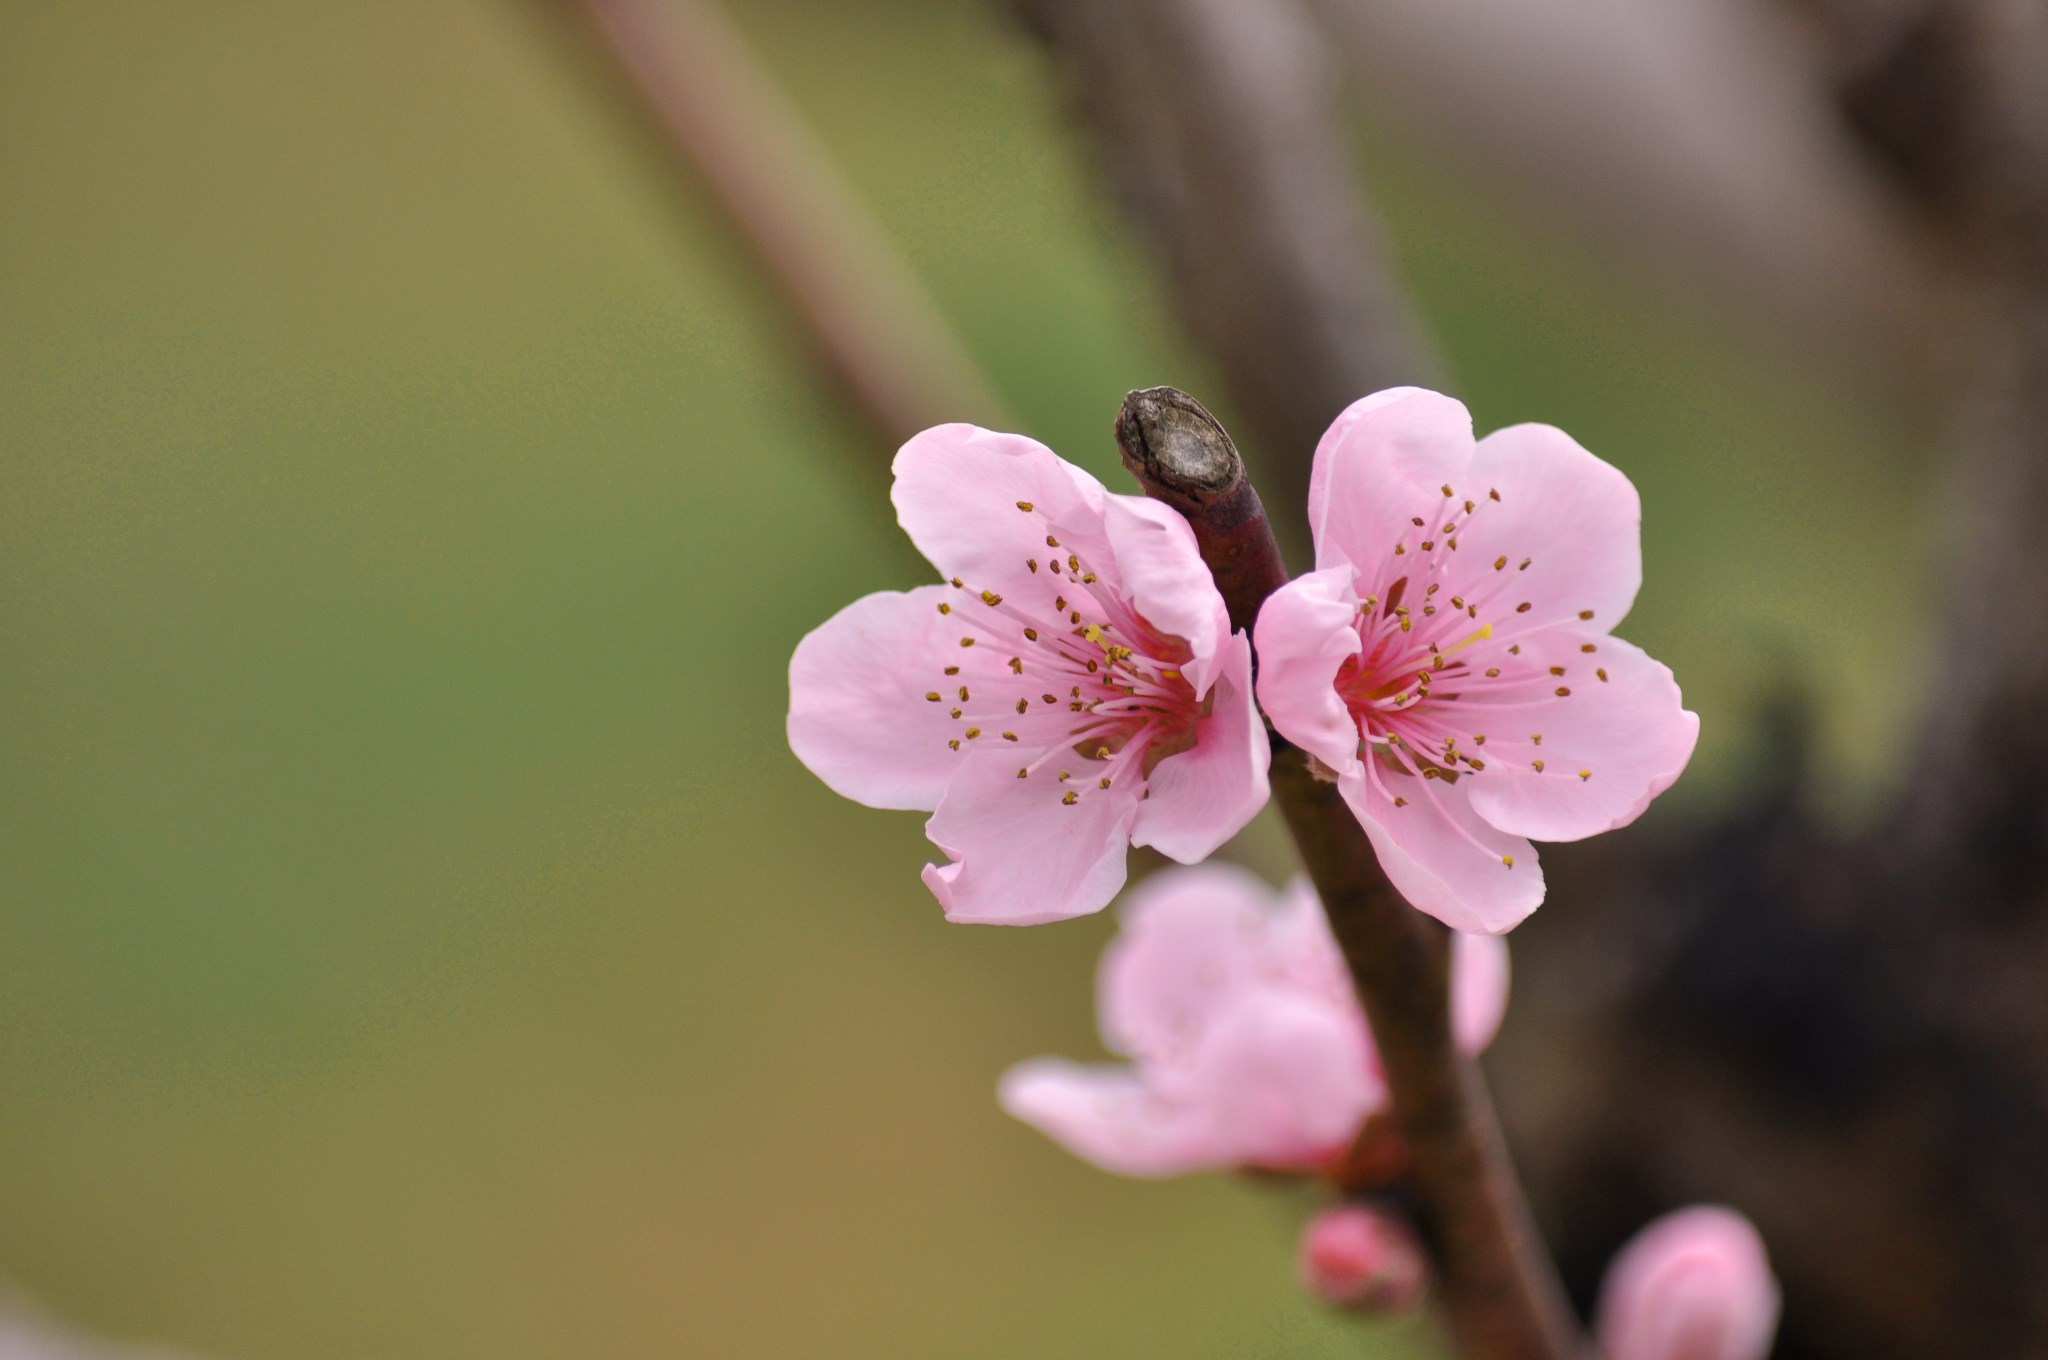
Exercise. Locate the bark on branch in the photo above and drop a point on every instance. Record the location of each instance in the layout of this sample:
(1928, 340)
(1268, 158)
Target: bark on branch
(1499, 1292)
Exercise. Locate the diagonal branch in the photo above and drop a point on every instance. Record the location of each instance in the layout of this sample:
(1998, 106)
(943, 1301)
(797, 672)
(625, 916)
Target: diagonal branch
(1218, 127)
(866, 317)
(1500, 1292)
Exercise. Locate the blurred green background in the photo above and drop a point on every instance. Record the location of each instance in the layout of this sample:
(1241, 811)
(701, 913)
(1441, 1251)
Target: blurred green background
(415, 937)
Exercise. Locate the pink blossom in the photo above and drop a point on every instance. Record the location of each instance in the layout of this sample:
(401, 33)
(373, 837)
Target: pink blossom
(1074, 689)
(1247, 1044)
(1694, 1285)
(1365, 1258)
(1450, 658)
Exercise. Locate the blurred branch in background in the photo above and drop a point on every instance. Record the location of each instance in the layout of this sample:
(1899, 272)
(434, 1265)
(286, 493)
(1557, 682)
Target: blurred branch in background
(1684, 137)
(1218, 127)
(868, 319)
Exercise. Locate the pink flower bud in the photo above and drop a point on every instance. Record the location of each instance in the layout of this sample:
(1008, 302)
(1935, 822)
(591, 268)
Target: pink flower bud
(1364, 1258)
(1694, 1285)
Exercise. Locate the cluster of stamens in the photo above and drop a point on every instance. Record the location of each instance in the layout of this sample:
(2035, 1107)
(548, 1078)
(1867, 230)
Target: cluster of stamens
(1439, 659)
(1067, 673)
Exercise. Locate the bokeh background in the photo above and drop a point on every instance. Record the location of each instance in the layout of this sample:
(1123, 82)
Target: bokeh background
(415, 937)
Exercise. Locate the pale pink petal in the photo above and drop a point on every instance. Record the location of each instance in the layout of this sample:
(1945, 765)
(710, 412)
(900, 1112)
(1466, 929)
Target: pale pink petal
(1108, 1116)
(1611, 744)
(1023, 856)
(1302, 951)
(1201, 797)
(1694, 1285)
(1443, 857)
(1383, 460)
(858, 717)
(1163, 575)
(1577, 520)
(1479, 989)
(958, 491)
(1287, 1079)
(1303, 636)
(1188, 939)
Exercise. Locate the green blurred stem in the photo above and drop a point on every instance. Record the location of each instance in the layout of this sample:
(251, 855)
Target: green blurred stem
(1499, 1289)
(871, 324)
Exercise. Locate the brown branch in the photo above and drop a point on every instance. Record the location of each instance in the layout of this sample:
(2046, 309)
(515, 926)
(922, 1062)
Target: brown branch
(1499, 1290)
(870, 323)
(1219, 129)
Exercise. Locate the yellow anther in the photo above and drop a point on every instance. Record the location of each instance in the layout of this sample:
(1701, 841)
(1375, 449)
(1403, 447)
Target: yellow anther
(972, 733)
(1087, 578)
(1493, 495)
(1508, 860)
(1417, 521)
(1025, 506)
(945, 608)
(1587, 647)
(1065, 775)
(957, 712)
(1400, 802)
(932, 695)
(1023, 705)
(1103, 783)
(1031, 562)
(1537, 765)
(1585, 775)
(1070, 798)
(1452, 543)
(958, 584)
(1515, 649)
(966, 642)
(1602, 673)
(1492, 672)
(1009, 736)
(1399, 550)
(1016, 665)
(1535, 738)
(1557, 670)
(1023, 774)
(1499, 563)
(1406, 623)
(964, 695)
(1051, 542)
(1525, 564)
(1585, 614)
(1447, 491)
(954, 743)
(1523, 607)
(1479, 739)
(990, 598)
(1093, 632)
(1429, 545)
(1564, 692)
(1468, 507)
(952, 670)
(1031, 635)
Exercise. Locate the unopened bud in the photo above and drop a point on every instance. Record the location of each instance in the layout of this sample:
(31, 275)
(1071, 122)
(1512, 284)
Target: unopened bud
(1364, 1258)
(1694, 1285)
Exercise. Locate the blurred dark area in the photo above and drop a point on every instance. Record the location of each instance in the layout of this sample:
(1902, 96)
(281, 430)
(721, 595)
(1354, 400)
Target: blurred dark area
(426, 430)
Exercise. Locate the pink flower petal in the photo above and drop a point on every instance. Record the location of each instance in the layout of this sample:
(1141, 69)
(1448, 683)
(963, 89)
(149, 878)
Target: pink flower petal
(957, 492)
(1187, 940)
(1442, 856)
(1576, 519)
(1286, 1079)
(857, 712)
(1694, 1285)
(1106, 1115)
(1479, 989)
(1203, 796)
(1304, 950)
(1381, 459)
(1611, 745)
(1024, 856)
(1163, 573)
(1303, 636)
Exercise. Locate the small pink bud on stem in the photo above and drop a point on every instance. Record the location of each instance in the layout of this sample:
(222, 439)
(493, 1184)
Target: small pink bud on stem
(1365, 1258)
(1694, 1285)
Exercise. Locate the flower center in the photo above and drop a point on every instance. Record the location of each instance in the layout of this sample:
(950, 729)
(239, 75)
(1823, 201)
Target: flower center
(1061, 667)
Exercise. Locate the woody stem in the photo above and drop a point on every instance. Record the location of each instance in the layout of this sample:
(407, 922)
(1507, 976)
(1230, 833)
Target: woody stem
(1499, 1290)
